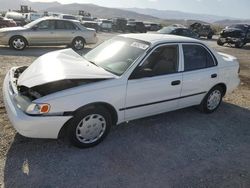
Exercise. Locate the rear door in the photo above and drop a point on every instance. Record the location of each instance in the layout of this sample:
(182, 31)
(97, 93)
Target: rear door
(200, 73)
(65, 31)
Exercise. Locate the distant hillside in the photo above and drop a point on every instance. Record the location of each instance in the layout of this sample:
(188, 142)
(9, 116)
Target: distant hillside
(178, 15)
(165, 17)
(231, 22)
(98, 11)
(15, 4)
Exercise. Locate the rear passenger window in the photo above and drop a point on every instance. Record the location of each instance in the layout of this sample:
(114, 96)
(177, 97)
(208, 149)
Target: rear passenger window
(65, 25)
(196, 57)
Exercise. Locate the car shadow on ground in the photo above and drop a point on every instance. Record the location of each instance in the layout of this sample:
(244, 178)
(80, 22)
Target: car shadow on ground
(176, 149)
(36, 51)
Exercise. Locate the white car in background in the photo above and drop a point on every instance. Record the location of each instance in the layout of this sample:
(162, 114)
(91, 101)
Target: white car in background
(125, 78)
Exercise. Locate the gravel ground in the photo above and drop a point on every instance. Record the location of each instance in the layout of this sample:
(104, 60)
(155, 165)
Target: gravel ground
(184, 148)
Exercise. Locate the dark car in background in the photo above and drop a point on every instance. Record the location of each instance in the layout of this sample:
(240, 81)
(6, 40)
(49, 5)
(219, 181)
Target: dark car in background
(135, 26)
(5, 22)
(237, 35)
(152, 26)
(203, 30)
(119, 24)
(180, 31)
(91, 24)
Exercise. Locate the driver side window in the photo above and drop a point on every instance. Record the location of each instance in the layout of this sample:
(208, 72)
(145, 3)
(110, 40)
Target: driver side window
(46, 25)
(163, 60)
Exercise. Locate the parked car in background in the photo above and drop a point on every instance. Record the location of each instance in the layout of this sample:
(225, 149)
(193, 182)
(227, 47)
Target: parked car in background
(91, 24)
(67, 17)
(17, 17)
(237, 35)
(203, 30)
(48, 31)
(177, 25)
(135, 26)
(105, 25)
(32, 16)
(125, 78)
(179, 31)
(152, 26)
(119, 24)
(5, 22)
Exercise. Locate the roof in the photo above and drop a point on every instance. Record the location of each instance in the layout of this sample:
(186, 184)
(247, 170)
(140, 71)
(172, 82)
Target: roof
(57, 18)
(158, 38)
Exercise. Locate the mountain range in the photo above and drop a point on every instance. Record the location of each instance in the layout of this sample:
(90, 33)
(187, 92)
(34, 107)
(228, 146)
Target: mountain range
(163, 16)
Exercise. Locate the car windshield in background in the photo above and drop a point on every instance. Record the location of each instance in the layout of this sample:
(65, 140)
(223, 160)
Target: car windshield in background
(166, 30)
(239, 26)
(117, 54)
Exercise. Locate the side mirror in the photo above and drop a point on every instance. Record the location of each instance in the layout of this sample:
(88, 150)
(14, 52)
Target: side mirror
(35, 27)
(141, 73)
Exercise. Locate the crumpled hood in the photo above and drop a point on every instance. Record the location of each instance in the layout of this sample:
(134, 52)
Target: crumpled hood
(60, 65)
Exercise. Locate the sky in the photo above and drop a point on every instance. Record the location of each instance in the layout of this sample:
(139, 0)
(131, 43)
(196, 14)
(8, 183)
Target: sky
(229, 8)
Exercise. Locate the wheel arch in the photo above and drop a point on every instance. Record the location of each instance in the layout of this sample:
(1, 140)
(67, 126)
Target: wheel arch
(79, 37)
(27, 43)
(109, 107)
(223, 86)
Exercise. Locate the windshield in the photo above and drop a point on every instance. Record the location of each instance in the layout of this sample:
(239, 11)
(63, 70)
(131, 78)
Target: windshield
(166, 30)
(117, 54)
(31, 24)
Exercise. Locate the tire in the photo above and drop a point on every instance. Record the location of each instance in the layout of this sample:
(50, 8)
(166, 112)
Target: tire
(212, 100)
(92, 122)
(219, 42)
(239, 44)
(18, 43)
(210, 36)
(78, 43)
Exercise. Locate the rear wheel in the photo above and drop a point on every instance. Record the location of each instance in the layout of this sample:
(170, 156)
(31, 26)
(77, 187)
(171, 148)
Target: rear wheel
(89, 127)
(18, 43)
(78, 43)
(212, 100)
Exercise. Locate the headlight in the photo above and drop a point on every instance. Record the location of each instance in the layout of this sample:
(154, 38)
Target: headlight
(35, 109)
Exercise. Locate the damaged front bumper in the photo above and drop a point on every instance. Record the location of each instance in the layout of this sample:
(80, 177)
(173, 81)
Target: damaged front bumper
(27, 125)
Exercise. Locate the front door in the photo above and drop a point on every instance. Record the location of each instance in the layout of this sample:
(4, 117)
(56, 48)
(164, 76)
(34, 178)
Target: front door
(43, 33)
(155, 85)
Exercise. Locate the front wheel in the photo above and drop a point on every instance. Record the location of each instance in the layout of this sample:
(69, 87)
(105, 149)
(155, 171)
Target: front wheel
(18, 43)
(212, 100)
(89, 127)
(78, 43)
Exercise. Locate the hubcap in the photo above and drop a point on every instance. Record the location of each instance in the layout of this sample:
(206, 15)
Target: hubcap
(214, 100)
(78, 44)
(18, 43)
(91, 128)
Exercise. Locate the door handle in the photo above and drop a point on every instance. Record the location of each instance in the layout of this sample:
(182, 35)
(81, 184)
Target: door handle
(176, 82)
(214, 76)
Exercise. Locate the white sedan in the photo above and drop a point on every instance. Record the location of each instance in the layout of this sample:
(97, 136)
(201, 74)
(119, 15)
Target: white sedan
(125, 78)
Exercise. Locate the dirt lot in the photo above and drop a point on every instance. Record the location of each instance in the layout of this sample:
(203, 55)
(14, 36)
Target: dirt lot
(178, 149)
